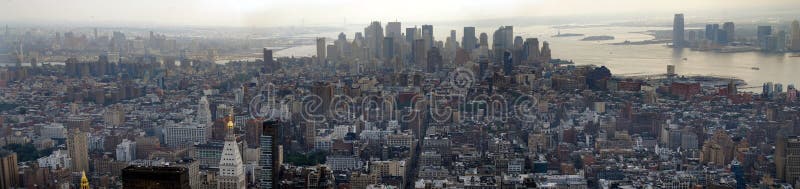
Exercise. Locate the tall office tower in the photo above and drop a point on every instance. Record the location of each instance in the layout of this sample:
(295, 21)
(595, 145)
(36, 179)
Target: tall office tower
(509, 37)
(388, 49)
(394, 30)
(780, 41)
(267, 56)
(715, 32)
(231, 168)
(155, 177)
(795, 38)
(484, 41)
(761, 34)
(544, 55)
(678, 31)
(503, 38)
(9, 176)
(77, 146)
(729, 29)
(373, 36)
(453, 34)
(434, 60)
(518, 42)
(126, 150)
(531, 50)
(359, 40)
(501, 41)
(419, 52)
(508, 63)
(204, 111)
(332, 54)
(342, 45)
(321, 50)
(427, 35)
(468, 40)
(411, 35)
(324, 91)
(271, 155)
(787, 153)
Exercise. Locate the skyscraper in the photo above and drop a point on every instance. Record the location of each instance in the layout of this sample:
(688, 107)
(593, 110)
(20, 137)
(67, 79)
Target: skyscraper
(780, 41)
(155, 177)
(204, 111)
(484, 41)
(502, 41)
(468, 40)
(9, 176)
(411, 35)
(321, 50)
(373, 36)
(508, 64)
(434, 60)
(531, 50)
(453, 34)
(393, 30)
(418, 51)
(78, 151)
(678, 31)
(712, 32)
(388, 49)
(267, 55)
(762, 33)
(269, 159)
(787, 153)
(427, 35)
(126, 150)
(231, 168)
(730, 32)
(795, 36)
(324, 91)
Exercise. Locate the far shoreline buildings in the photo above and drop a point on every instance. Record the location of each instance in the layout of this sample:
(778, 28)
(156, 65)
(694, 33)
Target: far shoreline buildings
(724, 39)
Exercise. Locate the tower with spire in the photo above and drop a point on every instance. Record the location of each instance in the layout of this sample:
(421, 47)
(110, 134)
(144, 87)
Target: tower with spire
(84, 181)
(231, 168)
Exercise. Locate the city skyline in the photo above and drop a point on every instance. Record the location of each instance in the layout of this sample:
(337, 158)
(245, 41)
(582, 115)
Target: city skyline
(409, 94)
(253, 13)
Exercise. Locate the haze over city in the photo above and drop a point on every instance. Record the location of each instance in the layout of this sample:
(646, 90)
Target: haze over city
(270, 13)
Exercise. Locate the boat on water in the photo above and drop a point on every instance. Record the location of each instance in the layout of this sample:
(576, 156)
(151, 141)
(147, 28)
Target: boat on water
(755, 68)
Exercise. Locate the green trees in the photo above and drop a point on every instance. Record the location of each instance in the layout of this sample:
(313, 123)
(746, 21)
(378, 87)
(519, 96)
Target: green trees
(28, 152)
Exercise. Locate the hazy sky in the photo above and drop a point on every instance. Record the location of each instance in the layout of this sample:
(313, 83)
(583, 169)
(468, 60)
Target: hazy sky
(262, 13)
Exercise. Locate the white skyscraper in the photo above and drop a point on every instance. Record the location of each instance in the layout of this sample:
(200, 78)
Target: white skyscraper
(204, 112)
(126, 150)
(231, 168)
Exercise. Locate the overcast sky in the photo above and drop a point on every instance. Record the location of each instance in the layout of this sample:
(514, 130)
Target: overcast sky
(266, 13)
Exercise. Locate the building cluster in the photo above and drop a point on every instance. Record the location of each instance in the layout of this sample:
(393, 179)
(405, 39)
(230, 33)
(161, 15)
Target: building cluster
(389, 109)
(767, 38)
